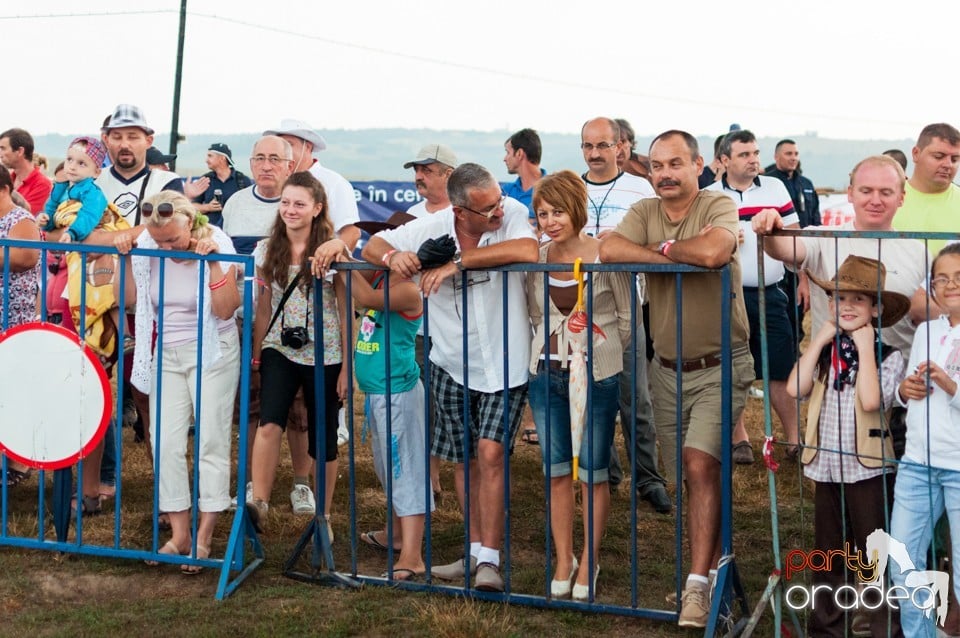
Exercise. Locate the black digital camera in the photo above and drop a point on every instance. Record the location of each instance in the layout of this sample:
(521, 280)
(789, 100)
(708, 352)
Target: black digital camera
(295, 338)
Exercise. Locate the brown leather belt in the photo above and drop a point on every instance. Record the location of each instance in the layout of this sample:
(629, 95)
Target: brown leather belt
(692, 365)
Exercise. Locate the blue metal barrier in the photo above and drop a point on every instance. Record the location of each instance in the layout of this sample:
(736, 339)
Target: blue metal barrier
(729, 600)
(234, 566)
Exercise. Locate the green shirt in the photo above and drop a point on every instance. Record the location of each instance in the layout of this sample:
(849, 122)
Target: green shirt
(371, 362)
(931, 213)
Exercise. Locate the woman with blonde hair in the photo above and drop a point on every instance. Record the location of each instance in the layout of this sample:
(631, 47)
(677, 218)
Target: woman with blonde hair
(172, 285)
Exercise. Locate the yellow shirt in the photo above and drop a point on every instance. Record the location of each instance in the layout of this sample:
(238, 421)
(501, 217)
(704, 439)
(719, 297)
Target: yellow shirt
(930, 212)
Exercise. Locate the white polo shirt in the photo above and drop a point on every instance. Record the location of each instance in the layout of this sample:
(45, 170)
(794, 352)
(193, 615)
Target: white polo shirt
(485, 338)
(764, 192)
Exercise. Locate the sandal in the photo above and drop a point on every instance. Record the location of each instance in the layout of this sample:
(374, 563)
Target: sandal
(530, 437)
(194, 570)
(170, 548)
(16, 477)
(90, 506)
(163, 522)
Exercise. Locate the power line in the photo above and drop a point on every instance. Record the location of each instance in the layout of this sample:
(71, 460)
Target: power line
(91, 14)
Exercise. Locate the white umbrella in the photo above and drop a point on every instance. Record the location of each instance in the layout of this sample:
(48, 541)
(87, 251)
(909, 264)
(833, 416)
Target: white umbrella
(577, 336)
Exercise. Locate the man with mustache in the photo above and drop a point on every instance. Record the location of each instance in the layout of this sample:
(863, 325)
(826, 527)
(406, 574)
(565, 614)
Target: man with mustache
(689, 226)
(932, 200)
(431, 169)
(753, 193)
(610, 193)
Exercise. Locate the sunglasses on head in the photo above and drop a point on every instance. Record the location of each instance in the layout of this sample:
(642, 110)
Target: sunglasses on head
(163, 210)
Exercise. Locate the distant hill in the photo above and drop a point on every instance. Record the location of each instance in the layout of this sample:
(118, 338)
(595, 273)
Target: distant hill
(380, 153)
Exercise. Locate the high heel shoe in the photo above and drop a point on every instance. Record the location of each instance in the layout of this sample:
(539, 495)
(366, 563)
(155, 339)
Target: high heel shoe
(561, 588)
(582, 592)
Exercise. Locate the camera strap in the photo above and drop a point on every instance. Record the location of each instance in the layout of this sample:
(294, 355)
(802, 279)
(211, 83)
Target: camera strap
(283, 300)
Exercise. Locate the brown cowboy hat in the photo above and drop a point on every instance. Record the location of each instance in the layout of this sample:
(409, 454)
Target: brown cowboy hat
(862, 274)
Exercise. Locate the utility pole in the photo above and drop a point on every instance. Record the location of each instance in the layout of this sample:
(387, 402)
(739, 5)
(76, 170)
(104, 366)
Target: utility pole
(175, 126)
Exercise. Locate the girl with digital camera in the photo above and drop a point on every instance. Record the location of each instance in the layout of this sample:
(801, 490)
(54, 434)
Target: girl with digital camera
(283, 347)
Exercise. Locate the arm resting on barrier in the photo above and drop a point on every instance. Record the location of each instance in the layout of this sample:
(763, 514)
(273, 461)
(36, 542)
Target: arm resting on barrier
(22, 258)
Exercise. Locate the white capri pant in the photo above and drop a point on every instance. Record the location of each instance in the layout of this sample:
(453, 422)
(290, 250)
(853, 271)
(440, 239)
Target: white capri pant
(178, 400)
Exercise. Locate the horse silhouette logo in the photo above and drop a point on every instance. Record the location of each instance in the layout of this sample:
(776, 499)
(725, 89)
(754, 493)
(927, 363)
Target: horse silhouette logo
(883, 547)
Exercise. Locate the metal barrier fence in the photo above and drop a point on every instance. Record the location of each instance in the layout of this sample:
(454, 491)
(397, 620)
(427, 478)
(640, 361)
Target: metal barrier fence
(312, 558)
(841, 243)
(234, 566)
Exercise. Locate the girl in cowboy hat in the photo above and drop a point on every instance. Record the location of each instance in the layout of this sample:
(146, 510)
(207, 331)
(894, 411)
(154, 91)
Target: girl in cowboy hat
(848, 450)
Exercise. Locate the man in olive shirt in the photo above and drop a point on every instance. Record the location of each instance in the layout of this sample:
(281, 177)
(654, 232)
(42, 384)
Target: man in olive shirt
(689, 226)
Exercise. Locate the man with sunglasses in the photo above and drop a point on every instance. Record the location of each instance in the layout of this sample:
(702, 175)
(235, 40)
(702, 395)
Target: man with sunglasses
(610, 194)
(489, 230)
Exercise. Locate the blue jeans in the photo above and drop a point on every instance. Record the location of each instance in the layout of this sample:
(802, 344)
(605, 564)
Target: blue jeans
(920, 498)
(597, 433)
(108, 464)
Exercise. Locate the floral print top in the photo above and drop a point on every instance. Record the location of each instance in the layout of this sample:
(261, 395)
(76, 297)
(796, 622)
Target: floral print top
(22, 286)
(295, 314)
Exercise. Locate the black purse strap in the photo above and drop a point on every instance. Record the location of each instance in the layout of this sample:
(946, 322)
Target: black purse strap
(283, 300)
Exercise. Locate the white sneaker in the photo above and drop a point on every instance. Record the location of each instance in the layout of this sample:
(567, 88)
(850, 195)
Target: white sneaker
(755, 393)
(233, 501)
(343, 434)
(301, 498)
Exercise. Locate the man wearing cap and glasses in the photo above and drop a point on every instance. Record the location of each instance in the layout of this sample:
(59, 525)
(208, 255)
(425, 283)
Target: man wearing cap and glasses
(341, 203)
(220, 183)
(431, 170)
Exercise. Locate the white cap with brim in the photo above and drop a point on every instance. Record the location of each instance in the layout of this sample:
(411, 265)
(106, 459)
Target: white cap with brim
(299, 128)
(432, 154)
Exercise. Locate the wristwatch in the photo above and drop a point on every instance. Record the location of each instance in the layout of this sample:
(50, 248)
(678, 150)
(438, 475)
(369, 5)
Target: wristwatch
(458, 260)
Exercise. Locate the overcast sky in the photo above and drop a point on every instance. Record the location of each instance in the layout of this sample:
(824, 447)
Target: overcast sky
(843, 69)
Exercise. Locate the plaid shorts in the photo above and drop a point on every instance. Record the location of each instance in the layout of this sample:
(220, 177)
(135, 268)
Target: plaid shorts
(486, 416)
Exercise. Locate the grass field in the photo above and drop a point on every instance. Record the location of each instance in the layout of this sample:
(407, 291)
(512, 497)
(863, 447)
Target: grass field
(43, 594)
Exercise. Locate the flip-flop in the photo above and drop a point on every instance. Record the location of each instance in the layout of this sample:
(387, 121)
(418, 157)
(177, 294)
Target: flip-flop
(530, 437)
(370, 539)
(403, 574)
(195, 570)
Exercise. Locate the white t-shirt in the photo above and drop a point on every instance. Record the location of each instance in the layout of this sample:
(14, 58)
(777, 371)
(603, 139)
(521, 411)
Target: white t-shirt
(341, 201)
(420, 209)
(248, 217)
(125, 194)
(608, 202)
(485, 338)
